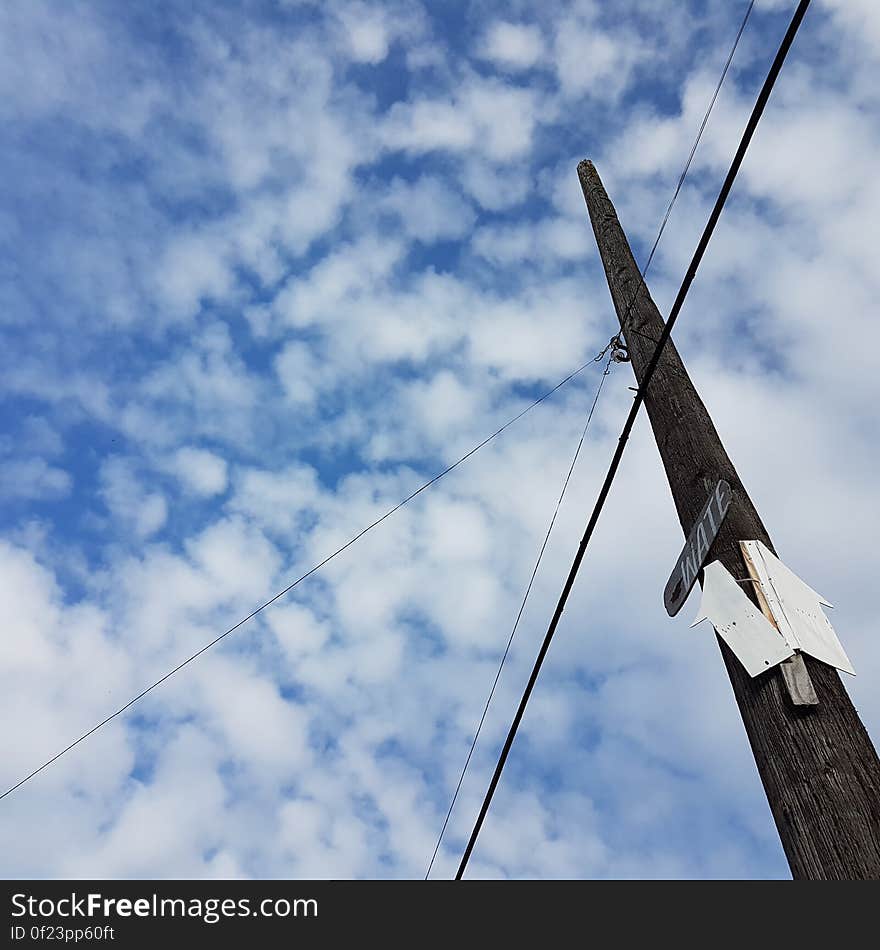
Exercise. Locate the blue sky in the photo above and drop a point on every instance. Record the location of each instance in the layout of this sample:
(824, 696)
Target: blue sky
(270, 265)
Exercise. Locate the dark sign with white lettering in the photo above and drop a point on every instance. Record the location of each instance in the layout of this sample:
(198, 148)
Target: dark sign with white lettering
(691, 559)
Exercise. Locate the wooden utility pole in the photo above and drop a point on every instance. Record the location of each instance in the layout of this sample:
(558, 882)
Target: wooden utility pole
(820, 771)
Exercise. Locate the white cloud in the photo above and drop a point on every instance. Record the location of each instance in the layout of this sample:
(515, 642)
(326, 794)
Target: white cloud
(496, 187)
(299, 372)
(859, 18)
(429, 210)
(429, 124)
(513, 45)
(593, 62)
(300, 633)
(33, 478)
(340, 278)
(201, 471)
(203, 388)
(367, 32)
(551, 241)
(277, 500)
(509, 334)
(495, 120)
(442, 405)
(234, 556)
(135, 507)
(194, 267)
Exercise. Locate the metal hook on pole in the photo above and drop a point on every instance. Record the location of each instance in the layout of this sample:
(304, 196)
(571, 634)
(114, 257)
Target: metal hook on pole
(619, 352)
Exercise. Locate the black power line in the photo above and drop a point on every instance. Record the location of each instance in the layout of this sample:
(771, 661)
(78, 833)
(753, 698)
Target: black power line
(519, 613)
(720, 201)
(611, 345)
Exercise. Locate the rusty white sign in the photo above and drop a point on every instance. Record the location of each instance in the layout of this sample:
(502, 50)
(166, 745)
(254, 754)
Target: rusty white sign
(691, 559)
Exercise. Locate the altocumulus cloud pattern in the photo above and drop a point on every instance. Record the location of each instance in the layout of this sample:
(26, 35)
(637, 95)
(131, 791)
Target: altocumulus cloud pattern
(268, 267)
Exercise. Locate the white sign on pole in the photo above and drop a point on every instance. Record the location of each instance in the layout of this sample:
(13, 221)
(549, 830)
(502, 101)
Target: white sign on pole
(757, 644)
(797, 609)
(800, 624)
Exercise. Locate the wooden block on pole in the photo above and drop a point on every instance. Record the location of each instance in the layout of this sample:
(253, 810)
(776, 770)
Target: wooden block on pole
(794, 671)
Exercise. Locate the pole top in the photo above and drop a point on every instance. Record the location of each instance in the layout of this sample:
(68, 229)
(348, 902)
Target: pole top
(587, 174)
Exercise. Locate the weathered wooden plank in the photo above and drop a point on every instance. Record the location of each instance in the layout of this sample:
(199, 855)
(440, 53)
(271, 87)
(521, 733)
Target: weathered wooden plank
(794, 671)
(798, 682)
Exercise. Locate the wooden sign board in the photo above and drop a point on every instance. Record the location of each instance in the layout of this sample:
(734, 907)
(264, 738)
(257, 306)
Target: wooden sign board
(691, 559)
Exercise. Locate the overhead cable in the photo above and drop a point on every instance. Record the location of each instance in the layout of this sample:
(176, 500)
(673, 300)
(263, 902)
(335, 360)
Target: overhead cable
(300, 579)
(703, 243)
(522, 605)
